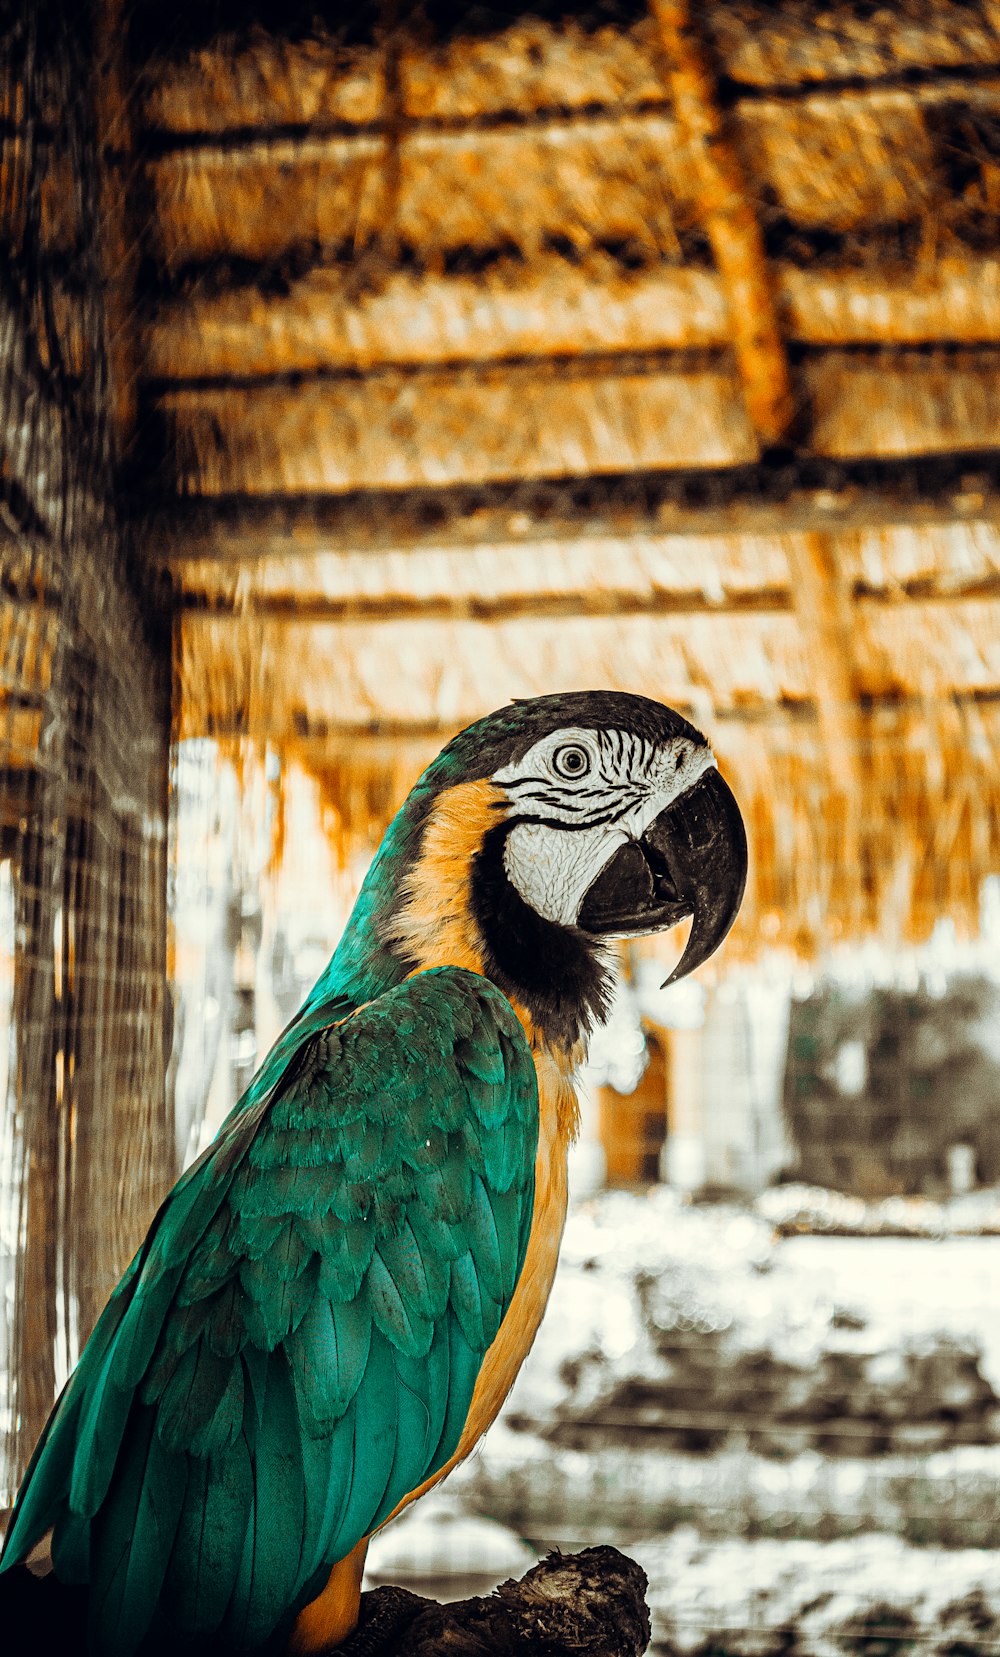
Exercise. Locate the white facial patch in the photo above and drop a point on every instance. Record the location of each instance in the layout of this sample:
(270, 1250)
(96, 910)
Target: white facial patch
(583, 794)
(554, 870)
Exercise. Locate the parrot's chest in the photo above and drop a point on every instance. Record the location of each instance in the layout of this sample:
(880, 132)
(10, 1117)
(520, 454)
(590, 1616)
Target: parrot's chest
(557, 1110)
(557, 1121)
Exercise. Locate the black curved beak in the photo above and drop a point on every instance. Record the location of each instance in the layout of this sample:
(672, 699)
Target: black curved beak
(692, 860)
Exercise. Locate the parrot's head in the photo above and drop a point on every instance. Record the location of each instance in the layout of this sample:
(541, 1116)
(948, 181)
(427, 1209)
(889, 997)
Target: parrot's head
(549, 828)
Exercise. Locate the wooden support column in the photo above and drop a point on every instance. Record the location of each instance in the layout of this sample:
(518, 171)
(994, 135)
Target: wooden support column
(730, 222)
(39, 1102)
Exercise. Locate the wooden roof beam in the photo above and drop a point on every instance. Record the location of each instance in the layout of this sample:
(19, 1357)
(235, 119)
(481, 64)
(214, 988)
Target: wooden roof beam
(766, 499)
(731, 224)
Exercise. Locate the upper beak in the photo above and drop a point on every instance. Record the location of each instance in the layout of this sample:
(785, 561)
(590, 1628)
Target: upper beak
(692, 860)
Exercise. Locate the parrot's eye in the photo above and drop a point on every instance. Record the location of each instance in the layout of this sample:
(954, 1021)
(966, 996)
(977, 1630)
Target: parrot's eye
(571, 761)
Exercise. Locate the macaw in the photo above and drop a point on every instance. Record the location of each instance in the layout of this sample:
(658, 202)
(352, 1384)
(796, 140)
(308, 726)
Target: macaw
(334, 1300)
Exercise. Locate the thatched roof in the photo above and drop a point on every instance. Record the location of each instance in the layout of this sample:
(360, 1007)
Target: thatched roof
(480, 354)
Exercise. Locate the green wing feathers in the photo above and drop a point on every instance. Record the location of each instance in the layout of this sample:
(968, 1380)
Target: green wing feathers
(295, 1346)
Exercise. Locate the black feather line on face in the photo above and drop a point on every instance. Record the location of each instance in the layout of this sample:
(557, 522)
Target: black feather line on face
(572, 813)
(557, 972)
(576, 826)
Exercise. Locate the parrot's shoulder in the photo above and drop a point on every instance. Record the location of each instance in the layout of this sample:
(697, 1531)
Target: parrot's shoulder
(432, 1079)
(435, 1031)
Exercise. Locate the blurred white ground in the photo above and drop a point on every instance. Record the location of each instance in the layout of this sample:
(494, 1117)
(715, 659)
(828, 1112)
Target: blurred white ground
(873, 1595)
(718, 1271)
(885, 1350)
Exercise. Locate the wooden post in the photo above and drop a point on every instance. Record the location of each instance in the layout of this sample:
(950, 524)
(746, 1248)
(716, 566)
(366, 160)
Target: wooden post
(824, 604)
(39, 1120)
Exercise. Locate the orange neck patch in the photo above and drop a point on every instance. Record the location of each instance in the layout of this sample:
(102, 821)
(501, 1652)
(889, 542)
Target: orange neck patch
(435, 923)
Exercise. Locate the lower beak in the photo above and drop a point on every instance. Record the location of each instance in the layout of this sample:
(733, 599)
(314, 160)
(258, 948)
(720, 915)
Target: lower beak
(692, 860)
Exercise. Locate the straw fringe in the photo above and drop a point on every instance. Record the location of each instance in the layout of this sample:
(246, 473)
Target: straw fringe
(929, 836)
(445, 427)
(532, 66)
(712, 567)
(893, 560)
(843, 163)
(312, 675)
(951, 298)
(547, 308)
(550, 308)
(586, 181)
(929, 833)
(264, 82)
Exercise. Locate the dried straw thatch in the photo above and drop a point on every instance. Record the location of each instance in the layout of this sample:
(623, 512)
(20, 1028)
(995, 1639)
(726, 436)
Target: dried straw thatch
(402, 282)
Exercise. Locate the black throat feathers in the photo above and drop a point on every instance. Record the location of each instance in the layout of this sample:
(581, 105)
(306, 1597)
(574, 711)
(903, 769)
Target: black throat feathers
(558, 973)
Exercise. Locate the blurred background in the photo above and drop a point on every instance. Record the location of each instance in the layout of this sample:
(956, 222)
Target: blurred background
(363, 367)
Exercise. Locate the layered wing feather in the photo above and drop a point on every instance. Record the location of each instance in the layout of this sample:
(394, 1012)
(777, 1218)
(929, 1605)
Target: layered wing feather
(295, 1346)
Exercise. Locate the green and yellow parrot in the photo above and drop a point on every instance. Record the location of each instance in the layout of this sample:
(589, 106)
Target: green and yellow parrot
(333, 1302)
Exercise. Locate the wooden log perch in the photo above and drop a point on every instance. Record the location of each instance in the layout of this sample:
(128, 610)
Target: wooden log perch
(588, 1604)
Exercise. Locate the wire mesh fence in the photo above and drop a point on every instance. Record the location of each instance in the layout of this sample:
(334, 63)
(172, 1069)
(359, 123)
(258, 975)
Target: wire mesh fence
(406, 349)
(84, 731)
